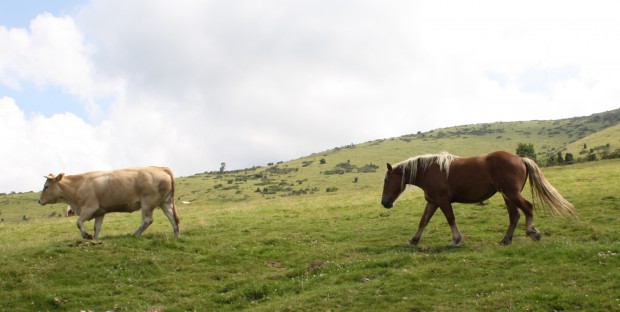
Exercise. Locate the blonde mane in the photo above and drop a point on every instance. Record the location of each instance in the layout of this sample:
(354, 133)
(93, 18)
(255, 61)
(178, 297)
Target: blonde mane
(443, 159)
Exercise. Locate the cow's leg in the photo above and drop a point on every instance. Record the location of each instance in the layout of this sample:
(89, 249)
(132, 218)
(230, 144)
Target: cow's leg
(147, 219)
(98, 223)
(80, 225)
(446, 208)
(426, 217)
(167, 208)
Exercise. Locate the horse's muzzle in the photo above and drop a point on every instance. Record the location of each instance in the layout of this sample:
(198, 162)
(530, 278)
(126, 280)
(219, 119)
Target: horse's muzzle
(387, 204)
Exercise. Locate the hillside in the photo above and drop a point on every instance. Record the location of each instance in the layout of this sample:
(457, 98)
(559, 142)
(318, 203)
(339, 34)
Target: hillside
(603, 142)
(310, 235)
(361, 167)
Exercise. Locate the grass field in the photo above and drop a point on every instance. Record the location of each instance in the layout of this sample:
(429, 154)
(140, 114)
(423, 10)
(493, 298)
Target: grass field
(327, 251)
(306, 235)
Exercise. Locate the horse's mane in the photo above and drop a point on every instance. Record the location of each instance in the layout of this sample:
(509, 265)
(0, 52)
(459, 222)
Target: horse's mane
(443, 159)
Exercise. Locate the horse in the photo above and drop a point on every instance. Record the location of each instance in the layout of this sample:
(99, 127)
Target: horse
(447, 179)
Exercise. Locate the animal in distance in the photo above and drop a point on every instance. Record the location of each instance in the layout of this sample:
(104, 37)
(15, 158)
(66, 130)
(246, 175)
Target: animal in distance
(446, 179)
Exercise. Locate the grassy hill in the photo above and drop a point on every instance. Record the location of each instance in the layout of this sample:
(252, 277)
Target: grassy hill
(600, 143)
(310, 235)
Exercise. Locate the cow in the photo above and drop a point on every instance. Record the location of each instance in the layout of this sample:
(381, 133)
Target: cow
(93, 194)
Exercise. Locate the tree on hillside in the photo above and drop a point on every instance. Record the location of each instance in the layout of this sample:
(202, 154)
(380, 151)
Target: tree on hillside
(526, 150)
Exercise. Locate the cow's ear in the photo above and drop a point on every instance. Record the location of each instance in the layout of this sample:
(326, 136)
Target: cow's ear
(389, 167)
(59, 177)
(49, 176)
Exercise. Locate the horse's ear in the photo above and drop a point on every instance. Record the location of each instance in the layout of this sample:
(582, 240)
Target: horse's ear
(389, 167)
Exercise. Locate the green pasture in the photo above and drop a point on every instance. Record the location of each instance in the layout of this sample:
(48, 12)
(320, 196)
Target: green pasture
(310, 235)
(326, 251)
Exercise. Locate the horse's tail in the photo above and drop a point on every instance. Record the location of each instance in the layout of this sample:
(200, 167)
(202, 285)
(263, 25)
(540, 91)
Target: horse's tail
(544, 192)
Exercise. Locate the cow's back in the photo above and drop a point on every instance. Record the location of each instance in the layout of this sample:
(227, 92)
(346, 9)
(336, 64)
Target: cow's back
(123, 190)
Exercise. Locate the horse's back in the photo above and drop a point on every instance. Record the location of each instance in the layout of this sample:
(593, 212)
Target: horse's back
(507, 171)
(473, 179)
(469, 180)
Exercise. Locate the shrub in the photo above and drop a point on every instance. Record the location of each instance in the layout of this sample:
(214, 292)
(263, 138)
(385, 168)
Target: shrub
(368, 168)
(526, 150)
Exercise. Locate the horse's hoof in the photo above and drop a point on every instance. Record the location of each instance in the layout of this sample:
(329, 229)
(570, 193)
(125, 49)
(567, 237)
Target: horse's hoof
(506, 241)
(456, 242)
(535, 236)
(414, 241)
(87, 236)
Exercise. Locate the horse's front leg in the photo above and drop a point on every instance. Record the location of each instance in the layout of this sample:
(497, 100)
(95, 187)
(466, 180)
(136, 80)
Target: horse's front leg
(446, 208)
(426, 217)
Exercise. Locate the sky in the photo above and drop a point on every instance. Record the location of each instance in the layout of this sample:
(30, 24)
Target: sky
(107, 84)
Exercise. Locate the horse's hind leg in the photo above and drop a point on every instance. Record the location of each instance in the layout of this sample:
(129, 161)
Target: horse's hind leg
(426, 217)
(513, 215)
(514, 201)
(528, 211)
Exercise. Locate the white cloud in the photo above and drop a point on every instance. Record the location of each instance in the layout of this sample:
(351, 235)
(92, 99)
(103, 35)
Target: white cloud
(193, 84)
(53, 52)
(36, 146)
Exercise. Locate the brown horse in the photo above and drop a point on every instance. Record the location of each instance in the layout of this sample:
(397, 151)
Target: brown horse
(446, 179)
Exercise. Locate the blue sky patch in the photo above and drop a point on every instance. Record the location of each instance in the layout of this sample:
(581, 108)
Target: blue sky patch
(18, 14)
(45, 100)
(542, 80)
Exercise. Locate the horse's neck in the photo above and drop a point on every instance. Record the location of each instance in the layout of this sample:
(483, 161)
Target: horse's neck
(413, 174)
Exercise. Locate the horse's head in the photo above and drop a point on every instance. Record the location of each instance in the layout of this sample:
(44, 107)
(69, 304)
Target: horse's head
(392, 186)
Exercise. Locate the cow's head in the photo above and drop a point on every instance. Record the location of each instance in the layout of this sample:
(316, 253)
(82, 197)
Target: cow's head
(51, 193)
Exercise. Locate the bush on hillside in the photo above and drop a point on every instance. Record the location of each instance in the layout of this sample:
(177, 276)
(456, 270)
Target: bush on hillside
(526, 150)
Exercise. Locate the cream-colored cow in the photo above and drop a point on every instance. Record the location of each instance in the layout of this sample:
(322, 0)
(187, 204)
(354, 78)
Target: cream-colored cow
(93, 194)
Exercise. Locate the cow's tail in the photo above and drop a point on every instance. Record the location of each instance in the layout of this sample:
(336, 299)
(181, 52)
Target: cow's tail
(174, 206)
(545, 193)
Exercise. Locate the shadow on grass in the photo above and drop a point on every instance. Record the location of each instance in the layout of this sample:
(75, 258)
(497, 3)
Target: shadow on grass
(406, 248)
